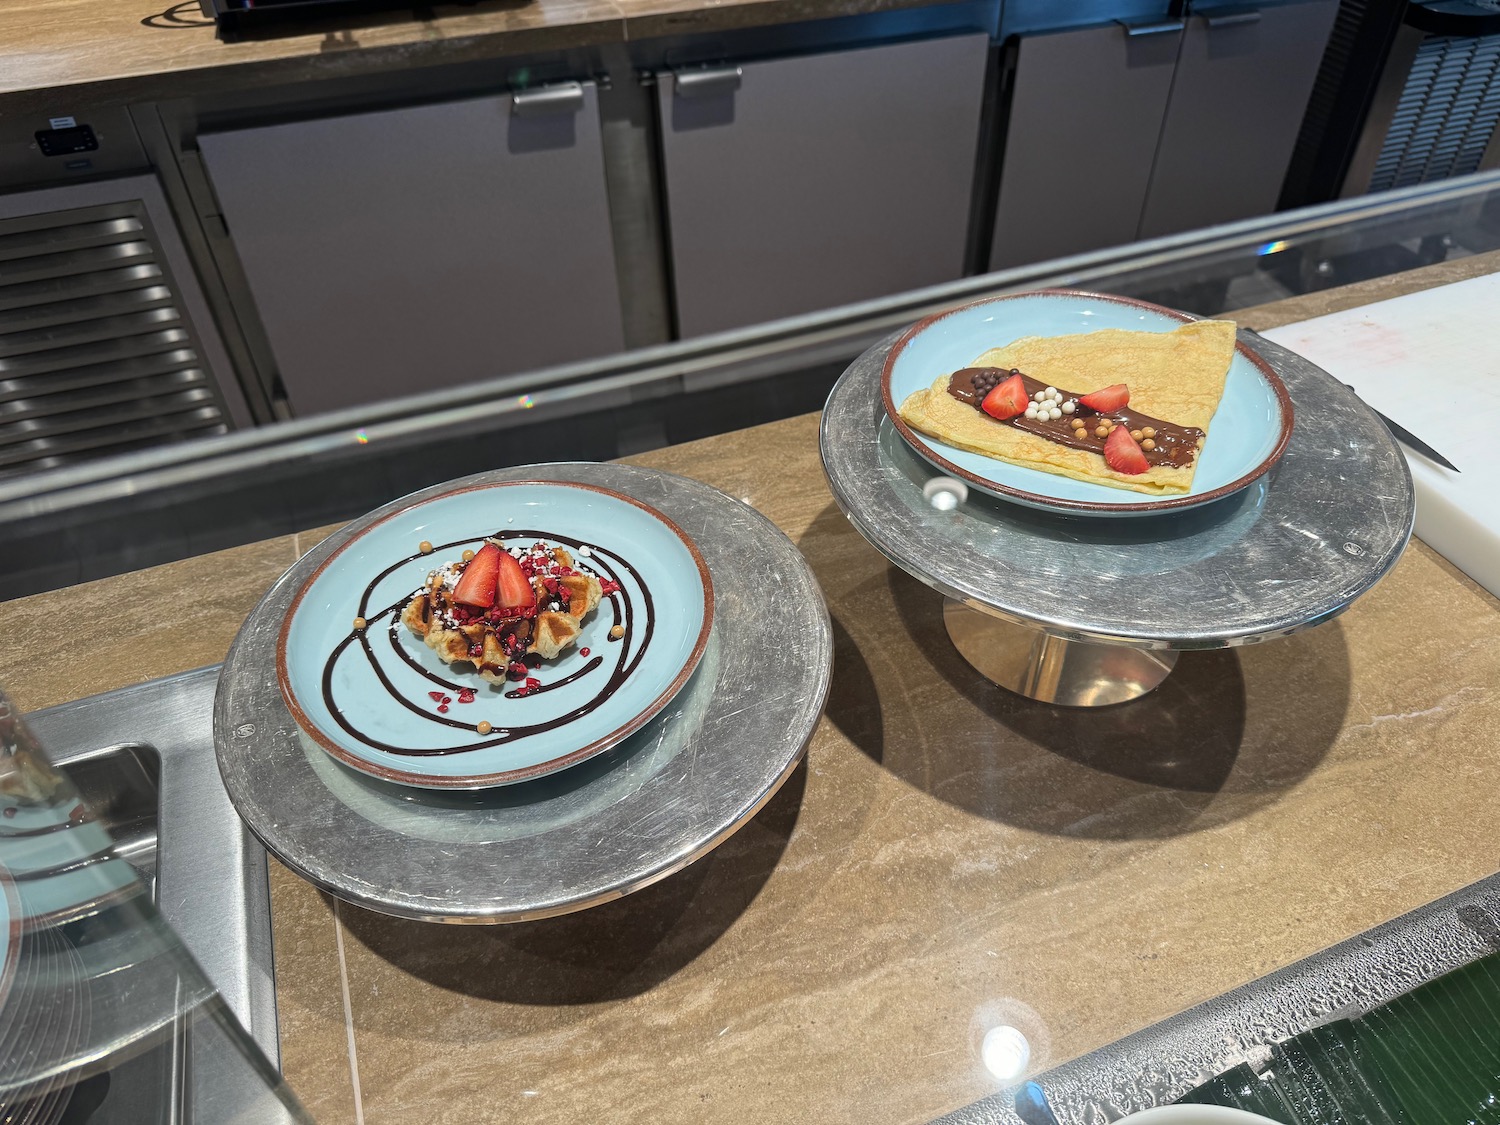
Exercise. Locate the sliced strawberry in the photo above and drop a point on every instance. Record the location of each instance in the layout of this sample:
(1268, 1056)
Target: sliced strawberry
(477, 584)
(1108, 400)
(1122, 454)
(512, 584)
(1007, 399)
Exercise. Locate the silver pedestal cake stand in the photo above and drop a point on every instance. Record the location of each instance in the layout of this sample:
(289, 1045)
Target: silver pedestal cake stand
(598, 830)
(1088, 611)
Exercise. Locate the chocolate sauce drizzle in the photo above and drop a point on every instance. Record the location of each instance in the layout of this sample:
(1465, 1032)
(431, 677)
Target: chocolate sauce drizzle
(626, 660)
(1176, 446)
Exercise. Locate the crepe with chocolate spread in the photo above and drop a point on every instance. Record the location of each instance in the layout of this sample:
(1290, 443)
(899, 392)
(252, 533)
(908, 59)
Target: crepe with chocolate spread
(1175, 376)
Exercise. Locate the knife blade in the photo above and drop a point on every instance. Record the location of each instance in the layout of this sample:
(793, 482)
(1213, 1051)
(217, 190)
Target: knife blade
(1409, 439)
(1412, 441)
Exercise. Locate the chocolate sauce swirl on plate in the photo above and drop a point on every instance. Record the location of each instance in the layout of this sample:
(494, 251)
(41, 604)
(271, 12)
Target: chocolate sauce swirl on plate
(638, 623)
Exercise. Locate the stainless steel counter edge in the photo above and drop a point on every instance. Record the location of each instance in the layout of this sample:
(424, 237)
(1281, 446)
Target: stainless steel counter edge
(739, 355)
(1162, 1062)
(212, 882)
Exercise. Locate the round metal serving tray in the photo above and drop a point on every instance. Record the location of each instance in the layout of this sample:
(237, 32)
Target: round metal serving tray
(1082, 611)
(611, 825)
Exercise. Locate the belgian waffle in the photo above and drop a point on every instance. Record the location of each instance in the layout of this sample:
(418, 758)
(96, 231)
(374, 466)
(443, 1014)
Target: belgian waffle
(493, 641)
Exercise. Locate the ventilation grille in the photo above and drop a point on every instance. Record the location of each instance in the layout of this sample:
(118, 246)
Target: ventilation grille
(1446, 114)
(95, 356)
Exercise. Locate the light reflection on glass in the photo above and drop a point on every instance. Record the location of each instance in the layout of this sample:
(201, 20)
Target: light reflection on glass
(1006, 1052)
(945, 493)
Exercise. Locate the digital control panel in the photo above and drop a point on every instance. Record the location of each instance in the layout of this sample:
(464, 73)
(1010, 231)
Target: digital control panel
(67, 141)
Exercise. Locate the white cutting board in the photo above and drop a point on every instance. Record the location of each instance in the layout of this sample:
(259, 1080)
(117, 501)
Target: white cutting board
(1430, 361)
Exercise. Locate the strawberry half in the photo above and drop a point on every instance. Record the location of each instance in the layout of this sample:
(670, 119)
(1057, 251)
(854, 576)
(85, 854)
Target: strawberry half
(1107, 400)
(1122, 454)
(1007, 400)
(511, 584)
(476, 586)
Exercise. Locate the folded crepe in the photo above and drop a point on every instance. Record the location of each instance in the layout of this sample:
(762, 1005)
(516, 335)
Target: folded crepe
(1175, 376)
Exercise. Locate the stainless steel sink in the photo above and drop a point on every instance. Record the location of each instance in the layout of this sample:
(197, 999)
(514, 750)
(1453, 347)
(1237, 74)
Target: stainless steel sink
(143, 760)
(122, 786)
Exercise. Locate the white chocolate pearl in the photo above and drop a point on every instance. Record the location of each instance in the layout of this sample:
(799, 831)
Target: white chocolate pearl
(1031, 412)
(1069, 406)
(1051, 392)
(1055, 413)
(1039, 395)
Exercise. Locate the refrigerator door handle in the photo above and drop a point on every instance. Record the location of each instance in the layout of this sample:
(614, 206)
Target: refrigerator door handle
(708, 82)
(1153, 27)
(561, 97)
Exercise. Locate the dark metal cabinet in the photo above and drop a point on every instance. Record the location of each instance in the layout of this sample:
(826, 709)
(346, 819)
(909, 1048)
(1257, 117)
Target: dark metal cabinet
(1085, 116)
(398, 251)
(803, 183)
(1243, 82)
(1150, 126)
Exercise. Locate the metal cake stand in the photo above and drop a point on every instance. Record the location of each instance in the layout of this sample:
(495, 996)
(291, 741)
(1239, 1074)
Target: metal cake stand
(1087, 611)
(596, 831)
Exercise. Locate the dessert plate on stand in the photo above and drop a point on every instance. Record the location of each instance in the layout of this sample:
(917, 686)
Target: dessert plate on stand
(689, 776)
(1248, 435)
(381, 701)
(1092, 612)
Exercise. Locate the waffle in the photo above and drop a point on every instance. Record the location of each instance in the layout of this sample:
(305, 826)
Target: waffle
(491, 642)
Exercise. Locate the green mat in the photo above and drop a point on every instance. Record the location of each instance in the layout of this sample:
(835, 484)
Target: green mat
(1431, 1057)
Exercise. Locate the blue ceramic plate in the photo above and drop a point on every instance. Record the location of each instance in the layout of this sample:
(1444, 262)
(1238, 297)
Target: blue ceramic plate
(60, 864)
(10, 933)
(1246, 437)
(371, 697)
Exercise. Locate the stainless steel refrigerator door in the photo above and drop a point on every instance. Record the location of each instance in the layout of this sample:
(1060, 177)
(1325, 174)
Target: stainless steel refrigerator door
(1085, 115)
(398, 251)
(1243, 81)
(803, 183)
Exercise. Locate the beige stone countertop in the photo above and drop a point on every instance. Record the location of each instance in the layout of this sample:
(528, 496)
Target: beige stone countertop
(949, 857)
(56, 53)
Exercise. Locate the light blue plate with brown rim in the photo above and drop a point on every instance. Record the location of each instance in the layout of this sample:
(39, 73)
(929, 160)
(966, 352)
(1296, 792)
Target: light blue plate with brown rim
(371, 697)
(1247, 435)
(57, 864)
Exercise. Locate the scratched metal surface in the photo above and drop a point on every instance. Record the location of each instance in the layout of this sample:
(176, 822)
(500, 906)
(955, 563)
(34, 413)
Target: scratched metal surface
(588, 834)
(1295, 548)
(1161, 1063)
